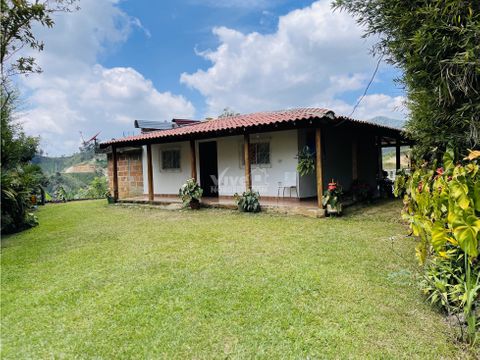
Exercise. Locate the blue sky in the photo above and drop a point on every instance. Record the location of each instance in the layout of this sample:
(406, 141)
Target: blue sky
(178, 28)
(116, 61)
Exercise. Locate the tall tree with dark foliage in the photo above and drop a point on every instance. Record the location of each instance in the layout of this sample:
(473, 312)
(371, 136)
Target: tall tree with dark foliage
(436, 44)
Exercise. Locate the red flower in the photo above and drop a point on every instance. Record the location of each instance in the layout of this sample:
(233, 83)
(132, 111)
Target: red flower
(332, 186)
(440, 171)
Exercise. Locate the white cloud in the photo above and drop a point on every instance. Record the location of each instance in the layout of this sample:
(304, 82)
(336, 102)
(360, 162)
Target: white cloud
(246, 4)
(74, 93)
(315, 56)
(374, 105)
(381, 105)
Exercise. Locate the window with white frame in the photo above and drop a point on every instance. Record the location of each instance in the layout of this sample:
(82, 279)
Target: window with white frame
(171, 159)
(259, 153)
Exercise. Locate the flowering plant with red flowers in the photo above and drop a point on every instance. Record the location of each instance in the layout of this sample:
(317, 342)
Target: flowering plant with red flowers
(332, 196)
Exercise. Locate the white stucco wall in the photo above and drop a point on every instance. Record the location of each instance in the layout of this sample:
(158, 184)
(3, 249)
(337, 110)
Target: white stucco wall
(167, 181)
(231, 171)
(265, 178)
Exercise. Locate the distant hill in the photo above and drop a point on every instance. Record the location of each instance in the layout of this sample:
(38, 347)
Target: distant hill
(383, 120)
(84, 162)
(73, 172)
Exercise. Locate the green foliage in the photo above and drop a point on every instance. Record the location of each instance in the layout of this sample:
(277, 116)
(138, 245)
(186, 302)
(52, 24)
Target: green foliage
(77, 185)
(400, 183)
(98, 188)
(442, 206)
(248, 201)
(190, 192)
(18, 18)
(61, 194)
(331, 196)
(435, 44)
(306, 162)
(18, 185)
(19, 179)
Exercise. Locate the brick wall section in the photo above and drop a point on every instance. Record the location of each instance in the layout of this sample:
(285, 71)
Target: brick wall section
(130, 174)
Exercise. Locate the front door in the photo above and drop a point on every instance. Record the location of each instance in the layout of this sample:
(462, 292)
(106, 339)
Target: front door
(208, 168)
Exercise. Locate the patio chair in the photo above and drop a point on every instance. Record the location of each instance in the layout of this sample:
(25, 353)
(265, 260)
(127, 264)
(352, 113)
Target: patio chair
(283, 187)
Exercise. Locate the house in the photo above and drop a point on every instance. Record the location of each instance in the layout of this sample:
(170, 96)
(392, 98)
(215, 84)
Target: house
(260, 151)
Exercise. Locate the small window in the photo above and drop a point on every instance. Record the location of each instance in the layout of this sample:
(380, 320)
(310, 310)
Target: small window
(259, 154)
(171, 159)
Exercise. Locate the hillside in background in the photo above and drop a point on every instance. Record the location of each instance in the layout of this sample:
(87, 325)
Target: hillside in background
(73, 173)
(383, 120)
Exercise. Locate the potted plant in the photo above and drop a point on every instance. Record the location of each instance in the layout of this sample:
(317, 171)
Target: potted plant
(191, 193)
(306, 162)
(248, 202)
(361, 192)
(331, 198)
(110, 198)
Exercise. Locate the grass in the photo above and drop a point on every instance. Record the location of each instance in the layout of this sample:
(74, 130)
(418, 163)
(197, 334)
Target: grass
(115, 282)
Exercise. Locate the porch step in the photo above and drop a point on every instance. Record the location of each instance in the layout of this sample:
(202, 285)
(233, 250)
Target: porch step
(273, 209)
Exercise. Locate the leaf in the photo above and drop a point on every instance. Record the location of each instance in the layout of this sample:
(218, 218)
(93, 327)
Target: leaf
(448, 159)
(421, 252)
(476, 196)
(439, 236)
(466, 233)
(474, 154)
(459, 193)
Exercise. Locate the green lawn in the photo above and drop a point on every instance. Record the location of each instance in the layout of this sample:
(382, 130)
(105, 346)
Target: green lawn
(114, 282)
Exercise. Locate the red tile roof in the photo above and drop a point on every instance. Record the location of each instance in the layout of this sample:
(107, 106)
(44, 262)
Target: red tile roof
(235, 122)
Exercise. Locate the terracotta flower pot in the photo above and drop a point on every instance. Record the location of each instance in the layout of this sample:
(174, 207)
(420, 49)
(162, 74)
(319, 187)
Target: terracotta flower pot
(194, 204)
(337, 210)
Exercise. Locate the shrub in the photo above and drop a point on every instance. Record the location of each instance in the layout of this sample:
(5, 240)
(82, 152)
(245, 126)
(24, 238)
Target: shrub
(61, 194)
(98, 187)
(17, 187)
(191, 193)
(442, 207)
(249, 201)
(361, 191)
(331, 196)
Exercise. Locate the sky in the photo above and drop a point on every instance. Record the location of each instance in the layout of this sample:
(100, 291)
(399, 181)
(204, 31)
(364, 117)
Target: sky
(112, 62)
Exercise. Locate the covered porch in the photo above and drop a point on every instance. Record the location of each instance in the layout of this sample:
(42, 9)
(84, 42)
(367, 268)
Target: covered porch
(287, 205)
(344, 149)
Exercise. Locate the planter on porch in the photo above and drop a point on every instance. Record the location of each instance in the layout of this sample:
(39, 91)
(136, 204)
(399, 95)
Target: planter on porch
(194, 204)
(334, 210)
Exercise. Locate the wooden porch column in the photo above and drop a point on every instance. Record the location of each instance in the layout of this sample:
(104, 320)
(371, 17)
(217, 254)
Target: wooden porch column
(354, 159)
(193, 159)
(115, 173)
(379, 157)
(150, 173)
(246, 152)
(318, 165)
(397, 155)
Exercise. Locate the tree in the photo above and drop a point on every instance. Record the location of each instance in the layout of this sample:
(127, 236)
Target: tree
(17, 19)
(20, 179)
(227, 112)
(436, 45)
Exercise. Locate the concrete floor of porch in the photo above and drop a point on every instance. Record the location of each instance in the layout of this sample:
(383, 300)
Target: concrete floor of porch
(282, 205)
